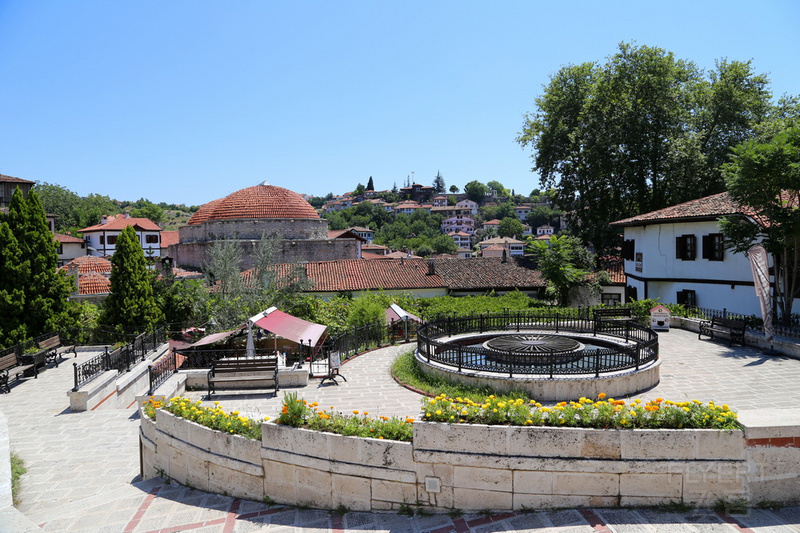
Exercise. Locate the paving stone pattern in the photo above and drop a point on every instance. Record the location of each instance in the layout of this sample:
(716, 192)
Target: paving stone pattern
(83, 468)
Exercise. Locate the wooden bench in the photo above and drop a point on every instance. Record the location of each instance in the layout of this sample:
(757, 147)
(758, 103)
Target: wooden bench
(732, 326)
(54, 349)
(259, 372)
(11, 364)
(610, 315)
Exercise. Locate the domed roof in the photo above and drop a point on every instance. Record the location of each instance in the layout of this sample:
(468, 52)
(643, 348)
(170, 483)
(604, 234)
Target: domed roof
(259, 201)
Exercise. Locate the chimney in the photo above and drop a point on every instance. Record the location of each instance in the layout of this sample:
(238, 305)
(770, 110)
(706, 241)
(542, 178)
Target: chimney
(103, 219)
(127, 215)
(431, 268)
(505, 257)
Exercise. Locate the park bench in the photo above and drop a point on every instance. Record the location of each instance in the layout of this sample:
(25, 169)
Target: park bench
(242, 372)
(610, 315)
(733, 327)
(11, 364)
(53, 348)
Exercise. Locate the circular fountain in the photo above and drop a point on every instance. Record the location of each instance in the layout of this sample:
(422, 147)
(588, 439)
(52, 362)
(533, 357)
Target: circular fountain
(518, 349)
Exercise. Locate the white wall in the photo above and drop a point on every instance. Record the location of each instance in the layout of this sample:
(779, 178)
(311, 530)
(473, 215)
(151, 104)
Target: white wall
(664, 274)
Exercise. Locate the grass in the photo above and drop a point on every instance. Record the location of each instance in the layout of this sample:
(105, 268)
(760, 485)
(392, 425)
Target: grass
(17, 470)
(406, 371)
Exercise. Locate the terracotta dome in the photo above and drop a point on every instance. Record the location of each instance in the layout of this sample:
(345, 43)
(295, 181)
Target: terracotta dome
(260, 201)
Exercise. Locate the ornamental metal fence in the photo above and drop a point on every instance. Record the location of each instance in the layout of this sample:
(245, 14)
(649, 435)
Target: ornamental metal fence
(120, 359)
(637, 346)
(785, 328)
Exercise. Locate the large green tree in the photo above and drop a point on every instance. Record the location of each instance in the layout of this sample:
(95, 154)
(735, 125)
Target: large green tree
(438, 183)
(131, 306)
(510, 227)
(31, 281)
(476, 191)
(565, 264)
(643, 131)
(765, 177)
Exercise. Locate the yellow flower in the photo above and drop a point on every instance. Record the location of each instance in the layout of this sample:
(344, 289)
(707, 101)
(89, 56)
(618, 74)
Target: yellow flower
(355, 412)
(686, 409)
(601, 396)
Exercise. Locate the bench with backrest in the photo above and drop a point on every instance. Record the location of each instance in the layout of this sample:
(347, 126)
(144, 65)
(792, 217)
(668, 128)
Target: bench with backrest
(611, 315)
(733, 327)
(53, 348)
(11, 364)
(242, 372)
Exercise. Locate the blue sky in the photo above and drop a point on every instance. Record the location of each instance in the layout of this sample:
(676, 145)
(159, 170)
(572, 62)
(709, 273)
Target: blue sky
(188, 101)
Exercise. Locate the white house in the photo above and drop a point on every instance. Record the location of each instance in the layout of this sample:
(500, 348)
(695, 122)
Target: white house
(468, 205)
(458, 223)
(101, 239)
(677, 255)
(69, 248)
(462, 240)
(544, 229)
(513, 247)
(365, 233)
(522, 211)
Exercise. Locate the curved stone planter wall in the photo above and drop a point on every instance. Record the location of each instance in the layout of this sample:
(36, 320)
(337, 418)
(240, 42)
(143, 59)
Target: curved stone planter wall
(474, 468)
(614, 384)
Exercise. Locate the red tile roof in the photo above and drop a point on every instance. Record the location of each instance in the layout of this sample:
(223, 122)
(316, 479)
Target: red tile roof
(259, 201)
(58, 237)
(88, 263)
(202, 214)
(479, 273)
(615, 268)
(707, 208)
(120, 222)
(93, 283)
(12, 179)
(344, 234)
(169, 237)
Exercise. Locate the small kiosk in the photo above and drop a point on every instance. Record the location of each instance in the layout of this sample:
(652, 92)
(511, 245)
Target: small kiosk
(659, 318)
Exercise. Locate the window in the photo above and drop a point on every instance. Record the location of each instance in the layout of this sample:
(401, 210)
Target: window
(687, 298)
(60, 249)
(102, 239)
(627, 249)
(686, 247)
(151, 238)
(112, 239)
(714, 247)
(610, 298)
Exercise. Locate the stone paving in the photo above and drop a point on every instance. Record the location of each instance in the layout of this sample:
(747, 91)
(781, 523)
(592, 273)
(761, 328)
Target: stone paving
(83, 467)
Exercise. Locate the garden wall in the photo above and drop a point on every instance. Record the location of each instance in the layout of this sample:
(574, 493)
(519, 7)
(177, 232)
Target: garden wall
(475, 468)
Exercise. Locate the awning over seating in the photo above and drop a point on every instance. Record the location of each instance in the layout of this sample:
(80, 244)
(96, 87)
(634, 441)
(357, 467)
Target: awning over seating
(289, 327)
(395, 313)
(214, 337)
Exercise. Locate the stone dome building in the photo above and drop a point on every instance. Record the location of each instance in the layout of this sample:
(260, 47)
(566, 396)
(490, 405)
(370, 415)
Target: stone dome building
(249, 213)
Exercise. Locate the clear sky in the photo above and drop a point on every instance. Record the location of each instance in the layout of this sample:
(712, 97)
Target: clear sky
(188, 101)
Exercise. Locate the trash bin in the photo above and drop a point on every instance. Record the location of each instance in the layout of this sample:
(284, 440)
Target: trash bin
(659, 318)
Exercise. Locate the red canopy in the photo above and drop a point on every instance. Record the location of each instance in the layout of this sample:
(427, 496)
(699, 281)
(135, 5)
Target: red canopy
(289, 327)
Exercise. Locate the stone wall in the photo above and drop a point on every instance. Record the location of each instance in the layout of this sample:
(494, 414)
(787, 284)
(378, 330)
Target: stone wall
(196, 254)
(253, 229)
(476, 468)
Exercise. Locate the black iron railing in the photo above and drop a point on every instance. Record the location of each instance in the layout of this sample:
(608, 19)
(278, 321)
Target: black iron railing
(161, 371)
(638, 344)
(785, 328)
(121, 359)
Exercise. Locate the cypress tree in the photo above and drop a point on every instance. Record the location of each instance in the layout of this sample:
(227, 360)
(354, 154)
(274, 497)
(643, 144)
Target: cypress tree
(44, 290)
(14, 272)
(131, 307)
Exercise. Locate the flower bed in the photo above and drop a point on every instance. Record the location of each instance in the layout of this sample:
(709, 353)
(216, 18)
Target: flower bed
(211, 417)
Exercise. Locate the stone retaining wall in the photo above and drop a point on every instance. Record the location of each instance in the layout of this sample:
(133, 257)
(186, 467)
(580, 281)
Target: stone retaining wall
(475, 468)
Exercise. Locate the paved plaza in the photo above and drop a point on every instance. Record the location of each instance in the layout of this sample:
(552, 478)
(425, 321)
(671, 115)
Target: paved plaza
(83, 468)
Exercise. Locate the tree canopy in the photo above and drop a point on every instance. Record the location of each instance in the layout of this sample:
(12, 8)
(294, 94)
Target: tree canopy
(640, 132)
(476, 191)
(438, 183)
(564, 263)
(765, 177)
(131, 306)
(33, 292)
